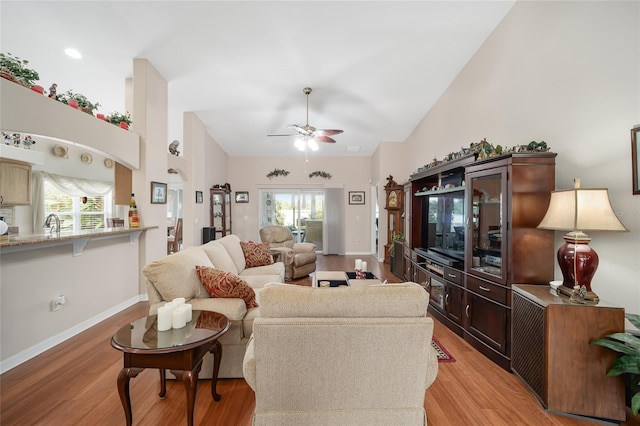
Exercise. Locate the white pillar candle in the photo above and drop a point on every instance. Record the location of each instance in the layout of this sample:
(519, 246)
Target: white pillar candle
(179, 301)
(187, 308)
(364, 266)
(179, 318)
(164, 318)
(358, 264)
(171, 305)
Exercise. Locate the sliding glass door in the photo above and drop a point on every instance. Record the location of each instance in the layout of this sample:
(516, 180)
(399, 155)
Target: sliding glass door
(301, 210)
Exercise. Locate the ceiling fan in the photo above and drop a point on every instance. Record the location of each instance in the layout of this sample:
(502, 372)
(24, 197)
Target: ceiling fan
(309, 135)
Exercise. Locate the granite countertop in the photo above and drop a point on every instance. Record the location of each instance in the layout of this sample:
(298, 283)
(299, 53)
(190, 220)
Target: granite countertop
(15, 241)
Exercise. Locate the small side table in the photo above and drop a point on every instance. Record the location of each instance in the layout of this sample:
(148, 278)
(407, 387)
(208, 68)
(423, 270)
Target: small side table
(179, 350)
(552, 355)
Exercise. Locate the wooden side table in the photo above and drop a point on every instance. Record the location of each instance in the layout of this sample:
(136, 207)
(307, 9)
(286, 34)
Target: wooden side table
(552, 353)
(179, 350)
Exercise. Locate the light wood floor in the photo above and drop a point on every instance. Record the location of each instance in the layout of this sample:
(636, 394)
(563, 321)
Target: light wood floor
(74, 383)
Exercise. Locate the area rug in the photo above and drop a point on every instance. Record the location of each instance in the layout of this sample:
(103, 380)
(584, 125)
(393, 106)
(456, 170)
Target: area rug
(443, 354)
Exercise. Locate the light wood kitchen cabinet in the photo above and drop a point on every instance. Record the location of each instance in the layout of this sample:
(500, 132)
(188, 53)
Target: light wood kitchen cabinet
(15, 183)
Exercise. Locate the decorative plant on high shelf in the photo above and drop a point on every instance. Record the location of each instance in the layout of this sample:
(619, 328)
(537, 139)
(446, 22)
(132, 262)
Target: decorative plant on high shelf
(629, 363)
(122, 120)
(78, 101)
(320, 174)
(277, 172)
(15, 69)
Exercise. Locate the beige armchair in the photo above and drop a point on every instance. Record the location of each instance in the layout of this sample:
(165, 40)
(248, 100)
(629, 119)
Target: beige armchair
(299, 258)
(341, 356)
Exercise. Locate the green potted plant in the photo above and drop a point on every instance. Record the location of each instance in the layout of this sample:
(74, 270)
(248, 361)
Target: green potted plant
(15, 69)
(122, 120)
(398, 236)
(78, 101)
(627, 344)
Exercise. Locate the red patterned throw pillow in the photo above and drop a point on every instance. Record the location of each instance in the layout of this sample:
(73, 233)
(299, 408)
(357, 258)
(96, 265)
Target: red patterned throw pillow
(219, 283)
(256, 254)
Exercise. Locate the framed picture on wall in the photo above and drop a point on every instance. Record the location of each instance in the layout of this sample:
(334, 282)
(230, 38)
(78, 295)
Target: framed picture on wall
(158, 193)
(198, 197)
(356, 197)
(635, 159)
(242, 196)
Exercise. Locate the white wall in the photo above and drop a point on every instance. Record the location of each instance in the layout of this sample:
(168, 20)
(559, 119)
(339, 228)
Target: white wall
(354, 173)
(388, 160)
(149, 116)
(96, 285)
(567, 73)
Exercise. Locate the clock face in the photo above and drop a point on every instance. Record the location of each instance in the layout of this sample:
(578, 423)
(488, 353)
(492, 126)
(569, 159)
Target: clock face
(393, 199)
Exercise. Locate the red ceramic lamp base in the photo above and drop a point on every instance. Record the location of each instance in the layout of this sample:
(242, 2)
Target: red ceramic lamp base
(578, 263)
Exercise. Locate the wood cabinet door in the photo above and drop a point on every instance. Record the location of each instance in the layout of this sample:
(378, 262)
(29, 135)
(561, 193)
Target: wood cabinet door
(397, 260)
(408, 268)
(455, 303)
(421, 275)
(15, 183)
(488, 321)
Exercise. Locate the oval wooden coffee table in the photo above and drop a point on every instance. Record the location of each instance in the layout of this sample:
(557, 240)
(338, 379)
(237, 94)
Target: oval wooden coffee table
(179, 350)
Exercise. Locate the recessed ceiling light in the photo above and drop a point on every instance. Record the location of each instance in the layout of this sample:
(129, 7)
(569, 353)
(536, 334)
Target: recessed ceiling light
(73, 53)
(353, 148)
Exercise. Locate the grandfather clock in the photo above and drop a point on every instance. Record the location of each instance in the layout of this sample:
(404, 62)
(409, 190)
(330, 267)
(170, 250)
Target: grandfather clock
(394, 197)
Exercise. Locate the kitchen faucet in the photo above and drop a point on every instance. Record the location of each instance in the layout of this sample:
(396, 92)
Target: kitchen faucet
(47, 223)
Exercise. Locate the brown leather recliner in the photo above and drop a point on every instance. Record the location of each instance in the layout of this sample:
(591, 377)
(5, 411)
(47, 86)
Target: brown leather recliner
(299, 258)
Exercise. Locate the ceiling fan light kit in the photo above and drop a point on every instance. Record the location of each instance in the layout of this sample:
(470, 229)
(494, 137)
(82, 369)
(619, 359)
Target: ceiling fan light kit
(309, 136)
(304, 142)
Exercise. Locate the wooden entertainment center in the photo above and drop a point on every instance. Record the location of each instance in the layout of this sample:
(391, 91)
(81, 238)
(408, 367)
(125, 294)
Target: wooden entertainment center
(472, 242)
(471, 232)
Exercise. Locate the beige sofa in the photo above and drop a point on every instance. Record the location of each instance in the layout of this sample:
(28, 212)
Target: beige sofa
(175, 276)
(341, 356)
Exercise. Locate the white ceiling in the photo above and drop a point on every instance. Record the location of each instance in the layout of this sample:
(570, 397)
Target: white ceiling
(376, 68)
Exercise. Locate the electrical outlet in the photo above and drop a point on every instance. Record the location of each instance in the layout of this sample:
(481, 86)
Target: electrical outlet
(56, 303)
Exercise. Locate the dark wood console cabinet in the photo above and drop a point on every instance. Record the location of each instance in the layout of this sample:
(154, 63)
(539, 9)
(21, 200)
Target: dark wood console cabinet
(397, 258)
(552, 355)
(469, 276)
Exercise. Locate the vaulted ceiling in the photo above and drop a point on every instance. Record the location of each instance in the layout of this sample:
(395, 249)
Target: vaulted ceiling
(375, 68)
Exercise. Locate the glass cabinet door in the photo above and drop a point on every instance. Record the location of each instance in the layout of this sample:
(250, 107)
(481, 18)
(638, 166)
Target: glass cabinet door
(487, 257)
(221, 212)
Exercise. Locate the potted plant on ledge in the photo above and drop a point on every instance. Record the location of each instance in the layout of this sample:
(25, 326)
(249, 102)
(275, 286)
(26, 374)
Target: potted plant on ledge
(78, 101)
(15, 69)
(122, 120)
(627, 344)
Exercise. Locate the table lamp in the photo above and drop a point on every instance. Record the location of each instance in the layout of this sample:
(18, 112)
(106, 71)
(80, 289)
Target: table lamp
(577, 210)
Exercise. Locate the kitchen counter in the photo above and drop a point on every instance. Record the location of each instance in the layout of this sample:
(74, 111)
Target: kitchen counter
(78, 239)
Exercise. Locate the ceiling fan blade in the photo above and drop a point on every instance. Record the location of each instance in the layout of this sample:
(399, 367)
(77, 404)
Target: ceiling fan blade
(325, 139)
(289, 134)
(327, 132)
(300, 129)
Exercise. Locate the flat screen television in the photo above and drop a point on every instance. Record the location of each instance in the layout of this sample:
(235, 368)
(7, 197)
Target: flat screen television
(445, 217)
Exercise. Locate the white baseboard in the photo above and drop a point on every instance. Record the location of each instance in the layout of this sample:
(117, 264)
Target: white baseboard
(47, 344)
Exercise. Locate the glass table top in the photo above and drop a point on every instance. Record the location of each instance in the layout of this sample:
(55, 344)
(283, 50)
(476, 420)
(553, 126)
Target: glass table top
(142, 335)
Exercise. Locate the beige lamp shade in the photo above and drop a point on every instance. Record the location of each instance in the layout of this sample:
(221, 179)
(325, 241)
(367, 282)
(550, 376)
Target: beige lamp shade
(581, 209)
